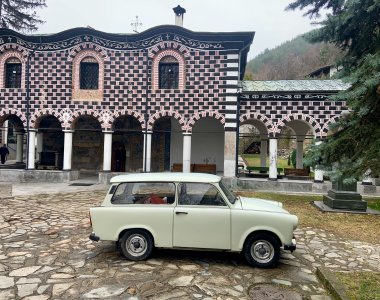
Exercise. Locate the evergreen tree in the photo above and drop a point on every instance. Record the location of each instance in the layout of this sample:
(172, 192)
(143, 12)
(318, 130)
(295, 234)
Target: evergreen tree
(354, 26)
(20, 14)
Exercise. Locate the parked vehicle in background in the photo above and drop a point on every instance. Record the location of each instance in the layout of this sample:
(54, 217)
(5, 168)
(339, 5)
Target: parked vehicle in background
(190, 211)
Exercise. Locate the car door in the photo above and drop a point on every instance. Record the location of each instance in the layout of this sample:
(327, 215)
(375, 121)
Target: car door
(201, 218)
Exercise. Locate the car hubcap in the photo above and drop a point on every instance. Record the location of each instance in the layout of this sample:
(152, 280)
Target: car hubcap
(136, 245)
(262, 251)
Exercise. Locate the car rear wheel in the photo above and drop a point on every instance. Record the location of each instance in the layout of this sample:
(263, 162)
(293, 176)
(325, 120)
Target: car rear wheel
(262, 250)
(136, 244)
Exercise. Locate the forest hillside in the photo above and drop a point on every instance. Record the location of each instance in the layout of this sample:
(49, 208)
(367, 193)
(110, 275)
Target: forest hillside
(293, 59)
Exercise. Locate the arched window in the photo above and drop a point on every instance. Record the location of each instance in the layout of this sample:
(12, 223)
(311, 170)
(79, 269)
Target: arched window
(13, 71)
(168, 73)
(89, 74)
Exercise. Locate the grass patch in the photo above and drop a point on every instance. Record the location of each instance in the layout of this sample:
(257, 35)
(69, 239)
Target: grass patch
(361, 285)
(254, 161)
(348, 226)
(374, 204)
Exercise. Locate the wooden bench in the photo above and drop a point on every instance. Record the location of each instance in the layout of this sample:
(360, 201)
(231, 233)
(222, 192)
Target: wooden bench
(262, 170)
(197, 168)
(297, 173)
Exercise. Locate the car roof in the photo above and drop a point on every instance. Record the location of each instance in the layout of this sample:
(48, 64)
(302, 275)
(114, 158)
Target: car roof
(170, 177)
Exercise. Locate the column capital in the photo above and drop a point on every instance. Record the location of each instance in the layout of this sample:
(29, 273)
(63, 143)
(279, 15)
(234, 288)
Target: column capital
(148, 132)
(33, 130)
(108, 131)
(187, 133)
(68, 130)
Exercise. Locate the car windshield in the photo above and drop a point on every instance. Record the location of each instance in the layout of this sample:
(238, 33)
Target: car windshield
(230, 196)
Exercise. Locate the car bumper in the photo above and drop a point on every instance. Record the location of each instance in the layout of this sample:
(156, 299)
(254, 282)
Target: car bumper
(94, 237)
(292, 246)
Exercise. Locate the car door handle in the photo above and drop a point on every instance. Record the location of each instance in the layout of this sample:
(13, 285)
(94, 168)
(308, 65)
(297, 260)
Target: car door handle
(181, 213)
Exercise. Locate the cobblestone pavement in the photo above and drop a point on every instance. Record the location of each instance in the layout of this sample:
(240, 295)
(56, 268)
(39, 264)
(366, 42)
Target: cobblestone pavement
(45, 253)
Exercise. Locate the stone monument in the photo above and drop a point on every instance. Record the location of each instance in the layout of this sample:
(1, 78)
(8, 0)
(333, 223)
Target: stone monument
(344, 196)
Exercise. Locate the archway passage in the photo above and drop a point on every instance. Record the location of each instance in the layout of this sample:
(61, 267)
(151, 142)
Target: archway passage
(253, 145)
(167, 144)
(12, 135)
(293, 141)
(87, 144)
(50, 143)
(127, 145)
(207, 143)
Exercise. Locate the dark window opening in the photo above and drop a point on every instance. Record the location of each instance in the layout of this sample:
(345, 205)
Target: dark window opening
(89, 74)
(13, 73)
(168, 73)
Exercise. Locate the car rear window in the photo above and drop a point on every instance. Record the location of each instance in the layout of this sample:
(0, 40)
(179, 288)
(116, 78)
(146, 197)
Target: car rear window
(144, 193)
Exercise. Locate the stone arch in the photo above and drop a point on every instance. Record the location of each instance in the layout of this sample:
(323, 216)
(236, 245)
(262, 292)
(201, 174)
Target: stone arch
(182, 67)
(204, 114)
(38, 115)
(129, 112)
(82, 112)
(166, 113)
(301, 117)
(5, 112)
(21, 56)
(325, 127)
(260, 117)
(99, 51)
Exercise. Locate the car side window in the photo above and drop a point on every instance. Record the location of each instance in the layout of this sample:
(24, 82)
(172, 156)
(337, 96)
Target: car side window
(144, 193)
(199, 194)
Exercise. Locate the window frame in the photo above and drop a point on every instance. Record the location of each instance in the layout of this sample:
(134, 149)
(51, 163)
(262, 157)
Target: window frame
(92, 81)
(17, 80)
(221, 196)
(171, 81)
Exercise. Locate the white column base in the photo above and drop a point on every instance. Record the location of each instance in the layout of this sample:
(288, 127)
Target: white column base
(20, 147)
(32, 150)
(107, 151)
(299, 158)
(229, 154)
(318, 175)
(147, 151)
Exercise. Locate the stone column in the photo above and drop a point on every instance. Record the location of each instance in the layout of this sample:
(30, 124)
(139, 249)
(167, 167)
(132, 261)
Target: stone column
(68, 149)
(273, 159)
(299, 158)
(5, 132)
(263, 153)
(147, 151)
(40, 138)
(107, 151)
(32, 149)
(229, 153)
(20, 147)
(186, 163)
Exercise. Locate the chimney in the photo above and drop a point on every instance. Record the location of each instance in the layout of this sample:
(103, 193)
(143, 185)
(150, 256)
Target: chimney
(179, 11)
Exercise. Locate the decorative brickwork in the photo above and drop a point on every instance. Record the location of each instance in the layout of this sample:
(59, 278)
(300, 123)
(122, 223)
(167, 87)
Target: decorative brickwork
(204, 114)
(257, 116)
(36, 117)
(165, 113)
(302, 117)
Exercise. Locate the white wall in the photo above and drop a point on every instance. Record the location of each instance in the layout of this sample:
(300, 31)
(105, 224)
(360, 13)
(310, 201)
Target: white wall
(207, 143)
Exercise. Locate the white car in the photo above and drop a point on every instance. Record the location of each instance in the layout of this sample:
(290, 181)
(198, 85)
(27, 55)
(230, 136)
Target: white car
(190, 211)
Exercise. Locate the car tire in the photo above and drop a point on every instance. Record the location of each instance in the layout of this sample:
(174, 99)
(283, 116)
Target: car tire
(136, 244)
(262, 250)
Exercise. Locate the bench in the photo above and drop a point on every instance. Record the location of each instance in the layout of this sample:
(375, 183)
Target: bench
(197, 168)
(262, 170)
(297, 173)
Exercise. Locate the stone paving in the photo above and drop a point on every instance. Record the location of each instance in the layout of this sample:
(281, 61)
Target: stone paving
(45, 253)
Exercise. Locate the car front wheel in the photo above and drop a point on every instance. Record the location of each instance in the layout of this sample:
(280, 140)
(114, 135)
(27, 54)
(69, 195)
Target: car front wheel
(262, 250)
(136, 244)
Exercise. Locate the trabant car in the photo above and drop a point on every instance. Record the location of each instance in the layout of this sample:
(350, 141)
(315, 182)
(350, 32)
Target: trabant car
(190, 211)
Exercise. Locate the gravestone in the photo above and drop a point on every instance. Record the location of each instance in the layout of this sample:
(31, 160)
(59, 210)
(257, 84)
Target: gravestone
(344, 196)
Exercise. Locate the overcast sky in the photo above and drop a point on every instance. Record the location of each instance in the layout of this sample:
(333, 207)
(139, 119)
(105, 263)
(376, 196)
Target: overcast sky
(268, 18)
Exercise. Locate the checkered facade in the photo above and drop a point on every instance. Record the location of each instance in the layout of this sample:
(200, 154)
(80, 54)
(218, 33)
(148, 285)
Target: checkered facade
(276, 110)
(127, 86)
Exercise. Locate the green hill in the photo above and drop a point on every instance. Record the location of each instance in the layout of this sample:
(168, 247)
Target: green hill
(292, 60)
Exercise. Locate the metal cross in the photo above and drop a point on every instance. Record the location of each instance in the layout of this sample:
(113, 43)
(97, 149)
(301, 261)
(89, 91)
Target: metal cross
(136, 24)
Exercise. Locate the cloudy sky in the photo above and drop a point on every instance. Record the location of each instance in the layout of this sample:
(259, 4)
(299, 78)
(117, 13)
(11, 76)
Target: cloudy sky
(268, 18)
